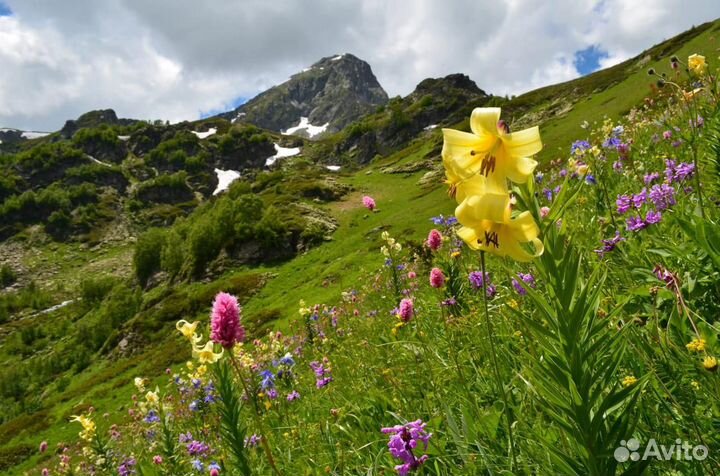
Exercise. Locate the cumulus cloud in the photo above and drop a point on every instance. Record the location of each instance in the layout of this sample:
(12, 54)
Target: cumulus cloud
(173, 59)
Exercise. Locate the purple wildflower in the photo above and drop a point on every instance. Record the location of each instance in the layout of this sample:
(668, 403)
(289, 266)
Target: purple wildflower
(152, 417)
(322, 373)
(292, 396)
(639, 198)
(662, 196)
(579, 145)
(476, 279)
(653, 217)
(268, 379)
(635, 223)
(623, 204)
(126, 468)
(684, 170)
(252, 441)
(449, 302)
(650, 178)
(403, 441)
(609, 244)
(528, 279)
(195, 448)
(670, 168)
(611, 143)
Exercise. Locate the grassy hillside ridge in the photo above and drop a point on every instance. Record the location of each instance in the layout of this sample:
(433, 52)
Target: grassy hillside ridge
(270, 292)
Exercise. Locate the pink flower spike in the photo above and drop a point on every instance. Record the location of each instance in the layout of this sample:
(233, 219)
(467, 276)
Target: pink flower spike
(434, 240)
(368, 203)
(225, 321)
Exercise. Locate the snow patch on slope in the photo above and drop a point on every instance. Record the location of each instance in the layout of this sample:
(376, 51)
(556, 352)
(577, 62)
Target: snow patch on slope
(205, 135)
(282, 152)
(225, 178)
(304, 125)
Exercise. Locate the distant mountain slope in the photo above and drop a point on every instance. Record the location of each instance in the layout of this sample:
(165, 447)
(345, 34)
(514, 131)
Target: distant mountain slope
(329, 95)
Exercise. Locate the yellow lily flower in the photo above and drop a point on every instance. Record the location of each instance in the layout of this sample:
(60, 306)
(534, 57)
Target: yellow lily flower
(697, 64)
(504, 239)
(490, 150)
(206, 354)
(88, 427)
(188, 330)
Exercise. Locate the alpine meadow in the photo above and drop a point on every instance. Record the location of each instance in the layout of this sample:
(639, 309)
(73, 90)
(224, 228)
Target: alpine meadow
(325, 280)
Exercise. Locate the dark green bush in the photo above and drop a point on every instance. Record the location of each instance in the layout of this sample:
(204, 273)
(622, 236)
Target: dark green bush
(146, 259)
(7, 276)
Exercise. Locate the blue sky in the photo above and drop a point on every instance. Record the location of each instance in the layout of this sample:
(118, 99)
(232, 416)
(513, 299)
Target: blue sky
(226, 107)
(588, 60)
(4, 10)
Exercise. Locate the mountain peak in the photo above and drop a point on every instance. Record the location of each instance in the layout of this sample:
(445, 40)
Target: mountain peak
(333, 92)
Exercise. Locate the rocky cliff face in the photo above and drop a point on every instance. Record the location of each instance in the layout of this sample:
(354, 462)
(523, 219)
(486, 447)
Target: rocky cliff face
(324, 98)
(93, 119)
(435, 102)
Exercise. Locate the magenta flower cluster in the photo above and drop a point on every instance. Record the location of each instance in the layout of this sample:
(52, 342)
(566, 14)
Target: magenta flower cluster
(405, 310)
(403, 443)
(434, 240)
(437, 278)
(225, 321)
(368, 203)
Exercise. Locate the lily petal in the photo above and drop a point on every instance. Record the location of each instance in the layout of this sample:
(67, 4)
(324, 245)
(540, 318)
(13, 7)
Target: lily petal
(483, 121)
(505, 239)
(523, 143)
(492, 207)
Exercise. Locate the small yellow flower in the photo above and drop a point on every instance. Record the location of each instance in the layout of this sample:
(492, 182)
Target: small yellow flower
(152, 397)
(188, 330)
(268, 404)
(696, 345)
(629, 381)
(710, 363)
(140, 384)
(206, 354)
(695, 385)
(454, 254)
(513, 303)
(697, 64)
(88, 427)
(189, 365)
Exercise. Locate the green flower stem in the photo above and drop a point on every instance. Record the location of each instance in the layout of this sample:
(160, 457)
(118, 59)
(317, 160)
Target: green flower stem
(256, 415)
(496, 369)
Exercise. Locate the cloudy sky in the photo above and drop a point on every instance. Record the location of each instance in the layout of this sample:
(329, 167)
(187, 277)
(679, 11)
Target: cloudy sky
(180, 59)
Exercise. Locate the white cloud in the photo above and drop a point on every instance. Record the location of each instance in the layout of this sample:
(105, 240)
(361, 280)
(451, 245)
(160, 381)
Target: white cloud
(171, 59)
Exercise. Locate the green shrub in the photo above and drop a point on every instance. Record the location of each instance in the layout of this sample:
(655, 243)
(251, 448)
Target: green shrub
(94, 290)
(146, 259)
(172, 255)
(7, 276)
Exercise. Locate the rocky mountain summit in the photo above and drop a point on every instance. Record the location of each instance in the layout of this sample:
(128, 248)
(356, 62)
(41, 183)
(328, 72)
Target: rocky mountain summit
(324, 98)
